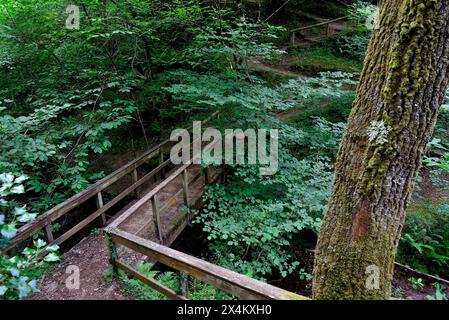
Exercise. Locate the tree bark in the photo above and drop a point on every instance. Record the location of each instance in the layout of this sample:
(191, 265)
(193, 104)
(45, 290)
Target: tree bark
(402, 87)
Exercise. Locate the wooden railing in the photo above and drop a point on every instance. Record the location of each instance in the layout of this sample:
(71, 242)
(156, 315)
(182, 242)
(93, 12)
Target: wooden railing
(223, 279)
(321, 24)
(45, 220)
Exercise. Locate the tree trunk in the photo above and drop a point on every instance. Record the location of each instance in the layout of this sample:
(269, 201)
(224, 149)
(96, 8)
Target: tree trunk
(402, 87)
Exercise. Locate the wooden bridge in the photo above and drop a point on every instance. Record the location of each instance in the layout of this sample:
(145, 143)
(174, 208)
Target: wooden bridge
(150, 211)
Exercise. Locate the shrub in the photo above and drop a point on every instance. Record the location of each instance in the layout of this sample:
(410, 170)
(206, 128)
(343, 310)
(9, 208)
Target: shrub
(425, 238)
(18, 273)
(350, 44)
(334, 110)
(197, 290)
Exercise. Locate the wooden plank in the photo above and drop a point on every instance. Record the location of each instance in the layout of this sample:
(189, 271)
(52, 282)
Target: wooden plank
(168, 204)
(157, 219)
(196, 178)
(172, 201)
(150, 282)
(173, 234)
(179, 227)
(117, 214)
(146, 198)
(229, 281)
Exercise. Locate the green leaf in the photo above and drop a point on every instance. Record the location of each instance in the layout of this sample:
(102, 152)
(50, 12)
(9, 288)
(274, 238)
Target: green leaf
(20, 211)
(39, 243)
(27, 217)
(3, 290)
(51, 257)
(18, 189)
(8, 231)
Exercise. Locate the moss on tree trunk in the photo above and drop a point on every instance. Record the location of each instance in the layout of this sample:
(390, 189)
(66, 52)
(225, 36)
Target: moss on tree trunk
(402, 87)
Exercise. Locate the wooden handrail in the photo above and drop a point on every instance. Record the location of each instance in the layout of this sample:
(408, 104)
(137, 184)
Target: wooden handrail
(106, 207)
(318, 24)
(223, 279)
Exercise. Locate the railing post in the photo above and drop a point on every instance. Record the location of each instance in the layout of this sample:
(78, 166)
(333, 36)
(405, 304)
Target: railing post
(161, 161)
(186, 195)
(206, 175)
(223, 171)
(156, 219)
(135, 179)
(113, 254)
(183, 285)
(49, 233)
(293, 38)
(185, 188)
(99, 206)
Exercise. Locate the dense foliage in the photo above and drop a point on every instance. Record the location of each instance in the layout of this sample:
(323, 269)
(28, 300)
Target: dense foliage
(17, 272)
(252, 220)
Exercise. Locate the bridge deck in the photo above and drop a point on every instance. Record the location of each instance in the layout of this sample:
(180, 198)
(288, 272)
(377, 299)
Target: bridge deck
(141, 222)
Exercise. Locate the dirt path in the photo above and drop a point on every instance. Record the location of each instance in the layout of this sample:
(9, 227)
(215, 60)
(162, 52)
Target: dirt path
(91, 256)
(280, 70)
(285, 115)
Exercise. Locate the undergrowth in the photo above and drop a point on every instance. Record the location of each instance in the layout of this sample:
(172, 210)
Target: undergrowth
(197, 290)
(318, 59)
